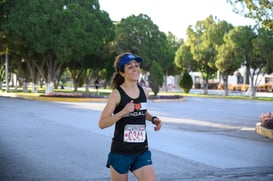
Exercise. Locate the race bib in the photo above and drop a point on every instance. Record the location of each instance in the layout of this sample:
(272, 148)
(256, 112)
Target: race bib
(134, 133)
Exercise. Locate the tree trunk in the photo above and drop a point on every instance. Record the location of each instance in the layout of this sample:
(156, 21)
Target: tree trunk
(31, 68)
(75, 84)
(53, 71)
(87, 83)
(206, 85)
(252, 87)
(25, 87)
(225, 80)
(49, 87)
(166, 82)
(247, 73)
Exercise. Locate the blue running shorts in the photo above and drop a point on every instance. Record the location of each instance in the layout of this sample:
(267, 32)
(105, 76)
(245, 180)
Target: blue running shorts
(122, 163)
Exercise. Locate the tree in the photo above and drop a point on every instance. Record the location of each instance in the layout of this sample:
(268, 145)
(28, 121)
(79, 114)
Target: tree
(97, 66)
(263, 48)
(2, 70)
(254, 51)
(226, 62)
(262, 58)
(241, 38)
(259, 10)
(184, 58)
(87, 66)
(59, 32)
(4, 41)
(167, 59)
(203, 40)
(139, 35)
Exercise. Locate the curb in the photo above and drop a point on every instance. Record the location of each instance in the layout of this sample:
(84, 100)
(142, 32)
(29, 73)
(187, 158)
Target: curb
(264, 131)
(67, 99)
(166, 100)
(71, 99)
(63, 99)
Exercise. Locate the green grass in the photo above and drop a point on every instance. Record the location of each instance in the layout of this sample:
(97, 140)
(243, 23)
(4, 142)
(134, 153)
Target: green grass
(217, 96)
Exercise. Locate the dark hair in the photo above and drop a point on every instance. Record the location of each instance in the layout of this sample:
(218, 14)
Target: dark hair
(117, 79)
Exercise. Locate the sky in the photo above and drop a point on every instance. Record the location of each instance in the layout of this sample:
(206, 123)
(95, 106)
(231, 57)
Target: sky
(174, 15)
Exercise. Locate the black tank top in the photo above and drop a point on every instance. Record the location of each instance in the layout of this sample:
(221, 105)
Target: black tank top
(130, 136)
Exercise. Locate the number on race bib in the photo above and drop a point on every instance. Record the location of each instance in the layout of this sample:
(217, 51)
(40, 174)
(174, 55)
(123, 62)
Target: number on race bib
(134, 133)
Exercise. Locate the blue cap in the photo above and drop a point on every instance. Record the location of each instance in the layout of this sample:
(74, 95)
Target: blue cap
(128, 58)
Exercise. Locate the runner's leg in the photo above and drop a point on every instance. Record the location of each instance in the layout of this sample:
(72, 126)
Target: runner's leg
(117, 176)
(145, 173)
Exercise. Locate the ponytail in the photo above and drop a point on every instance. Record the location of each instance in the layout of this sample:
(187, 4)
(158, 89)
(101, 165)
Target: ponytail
(117, 80)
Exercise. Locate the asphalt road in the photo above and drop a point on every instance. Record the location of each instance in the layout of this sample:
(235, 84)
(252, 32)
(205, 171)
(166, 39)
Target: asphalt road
(202, 139)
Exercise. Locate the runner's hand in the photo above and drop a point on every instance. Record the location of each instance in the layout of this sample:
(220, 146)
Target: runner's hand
(130, 107)
(158, 124)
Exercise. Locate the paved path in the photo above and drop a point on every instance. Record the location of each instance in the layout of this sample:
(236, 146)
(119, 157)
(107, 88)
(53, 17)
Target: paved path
(59, 141)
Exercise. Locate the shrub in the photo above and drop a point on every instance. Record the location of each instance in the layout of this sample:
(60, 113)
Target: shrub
(266, 120)
(186, 82)
(156, 78)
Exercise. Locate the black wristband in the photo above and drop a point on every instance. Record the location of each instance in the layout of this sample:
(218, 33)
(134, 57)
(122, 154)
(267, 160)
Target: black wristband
(154, 117)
